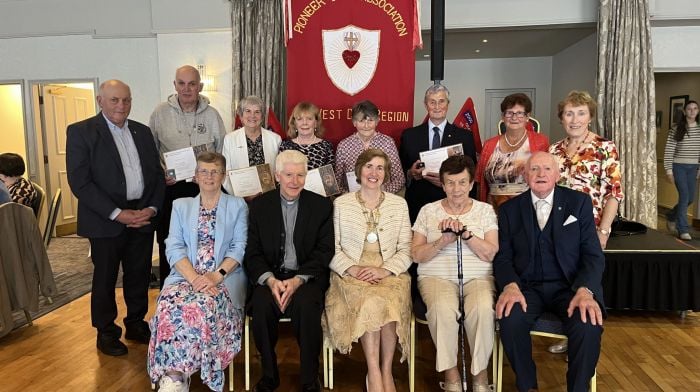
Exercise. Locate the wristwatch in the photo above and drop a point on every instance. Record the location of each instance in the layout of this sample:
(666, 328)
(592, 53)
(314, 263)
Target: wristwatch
(469, 237)
(605, 232)
(222, 272)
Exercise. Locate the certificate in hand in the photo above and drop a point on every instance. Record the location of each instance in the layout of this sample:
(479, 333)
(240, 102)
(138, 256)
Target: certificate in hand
(252, 180)
(434, 158)
(322, 181)
(180, 163)
(353, 186)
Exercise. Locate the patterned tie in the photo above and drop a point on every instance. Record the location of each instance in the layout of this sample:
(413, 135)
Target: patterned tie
(436, 138)
(542, 211)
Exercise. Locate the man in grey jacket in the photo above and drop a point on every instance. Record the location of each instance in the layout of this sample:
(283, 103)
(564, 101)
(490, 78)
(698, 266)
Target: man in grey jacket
(184, 120)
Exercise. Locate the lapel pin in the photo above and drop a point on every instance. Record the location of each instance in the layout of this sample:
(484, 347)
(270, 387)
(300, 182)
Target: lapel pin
(559, 208)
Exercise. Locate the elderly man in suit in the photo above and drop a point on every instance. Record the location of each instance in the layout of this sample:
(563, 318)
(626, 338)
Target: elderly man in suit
(290, 245)
(436, 133)
(549, 259)
(114, 171)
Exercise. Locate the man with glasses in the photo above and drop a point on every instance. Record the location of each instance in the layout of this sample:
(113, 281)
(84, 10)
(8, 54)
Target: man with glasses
(436, 133)
(185, 120)
(114, 171)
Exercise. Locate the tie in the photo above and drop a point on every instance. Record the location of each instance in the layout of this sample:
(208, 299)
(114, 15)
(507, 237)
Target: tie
(542, 211)
(436, 138)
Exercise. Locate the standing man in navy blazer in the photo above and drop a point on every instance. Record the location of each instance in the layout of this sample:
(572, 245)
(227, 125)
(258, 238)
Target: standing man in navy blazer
(436, 133)
(115, 172)
(549, 259)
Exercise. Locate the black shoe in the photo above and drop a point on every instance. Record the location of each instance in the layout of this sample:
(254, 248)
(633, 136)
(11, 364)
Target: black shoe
(111, 346)
(313, 387)
(265, 385)
(138, 332)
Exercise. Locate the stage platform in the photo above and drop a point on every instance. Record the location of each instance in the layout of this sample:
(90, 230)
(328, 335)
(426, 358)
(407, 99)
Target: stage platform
(652, 271)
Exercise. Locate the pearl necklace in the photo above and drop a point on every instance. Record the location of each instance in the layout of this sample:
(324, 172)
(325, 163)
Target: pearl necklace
(312, 140)
(505, 136)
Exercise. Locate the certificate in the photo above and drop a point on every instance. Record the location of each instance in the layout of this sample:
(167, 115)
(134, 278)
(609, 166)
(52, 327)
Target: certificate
(434, 158)
(353, 186)
(322, 181)
(252, 180)
(180, 164)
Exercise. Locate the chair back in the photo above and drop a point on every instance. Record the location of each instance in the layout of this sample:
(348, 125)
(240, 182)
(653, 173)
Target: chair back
(51, 219)
(38, 203)
(532, 125)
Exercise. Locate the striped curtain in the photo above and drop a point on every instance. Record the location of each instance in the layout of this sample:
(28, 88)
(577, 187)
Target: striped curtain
(626, 99)
(258, 53)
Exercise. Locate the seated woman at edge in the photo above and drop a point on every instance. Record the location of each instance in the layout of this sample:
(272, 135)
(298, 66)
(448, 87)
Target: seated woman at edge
(436, 255)
(11, 170)
(369, 296)
(198, 318)
(500, 172)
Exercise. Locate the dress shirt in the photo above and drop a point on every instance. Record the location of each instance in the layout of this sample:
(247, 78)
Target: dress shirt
(548, 207)
(430, 131)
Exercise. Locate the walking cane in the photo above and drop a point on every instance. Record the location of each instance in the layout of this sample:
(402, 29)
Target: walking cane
(460, 320)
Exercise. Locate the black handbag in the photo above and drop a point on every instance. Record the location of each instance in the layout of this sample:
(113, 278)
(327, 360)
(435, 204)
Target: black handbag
(625, 227)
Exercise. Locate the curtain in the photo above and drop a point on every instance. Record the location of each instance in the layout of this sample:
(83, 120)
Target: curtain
(258, 53)
(626, 101)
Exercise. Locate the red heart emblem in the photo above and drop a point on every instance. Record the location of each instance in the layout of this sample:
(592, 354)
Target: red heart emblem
(350, 57)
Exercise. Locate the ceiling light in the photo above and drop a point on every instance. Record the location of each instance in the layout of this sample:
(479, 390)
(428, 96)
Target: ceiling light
(484, 40)
(477, 51)
(426, 56)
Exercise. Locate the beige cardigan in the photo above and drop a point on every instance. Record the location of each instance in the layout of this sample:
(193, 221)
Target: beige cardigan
(394, 230)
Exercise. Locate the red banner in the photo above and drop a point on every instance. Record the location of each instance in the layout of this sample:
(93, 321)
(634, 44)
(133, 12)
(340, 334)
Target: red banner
(342, 52)
(466, 119)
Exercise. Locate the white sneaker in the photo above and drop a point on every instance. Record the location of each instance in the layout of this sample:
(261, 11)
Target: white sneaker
(167, 384)
(685, 236)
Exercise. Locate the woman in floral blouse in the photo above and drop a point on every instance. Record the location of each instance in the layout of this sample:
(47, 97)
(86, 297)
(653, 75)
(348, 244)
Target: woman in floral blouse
(199, 313)
(588, 163)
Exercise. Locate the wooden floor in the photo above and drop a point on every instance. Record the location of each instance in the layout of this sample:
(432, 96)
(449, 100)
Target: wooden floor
(642, 351)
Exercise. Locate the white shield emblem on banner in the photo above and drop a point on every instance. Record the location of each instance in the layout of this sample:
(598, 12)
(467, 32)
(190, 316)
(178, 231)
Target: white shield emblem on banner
(350, 55)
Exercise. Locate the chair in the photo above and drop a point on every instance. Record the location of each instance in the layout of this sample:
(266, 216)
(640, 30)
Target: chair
(548, 325)
(419, 311)
(38, 204)
(532, 125)
(51, 218)
(327, 357)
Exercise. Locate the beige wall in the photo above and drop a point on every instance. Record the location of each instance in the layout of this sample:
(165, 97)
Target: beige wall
(668, 85)
(11, 113)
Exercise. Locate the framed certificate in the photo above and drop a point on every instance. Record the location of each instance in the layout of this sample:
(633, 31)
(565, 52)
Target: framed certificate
(180, 164)
(322, 181)
(252, 180)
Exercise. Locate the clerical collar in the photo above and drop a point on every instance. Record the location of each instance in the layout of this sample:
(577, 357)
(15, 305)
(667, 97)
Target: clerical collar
(288, 202)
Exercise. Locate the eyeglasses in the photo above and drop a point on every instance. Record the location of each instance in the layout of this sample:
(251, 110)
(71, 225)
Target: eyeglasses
(510, 113)
(207, 173)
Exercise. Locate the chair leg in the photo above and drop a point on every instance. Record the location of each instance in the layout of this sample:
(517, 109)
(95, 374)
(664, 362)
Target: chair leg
(230, 377)
(29, 317)
(594, 380)
(325, 363)
(412, 355)
(494, 358)
(330, 366)
(499, 383)
(246, 338)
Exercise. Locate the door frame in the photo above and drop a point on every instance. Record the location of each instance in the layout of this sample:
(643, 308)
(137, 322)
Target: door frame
(29, 143)
(36, 125)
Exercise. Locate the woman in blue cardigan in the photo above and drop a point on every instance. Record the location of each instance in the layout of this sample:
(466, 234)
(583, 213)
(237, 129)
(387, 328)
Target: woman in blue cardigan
(198, 321)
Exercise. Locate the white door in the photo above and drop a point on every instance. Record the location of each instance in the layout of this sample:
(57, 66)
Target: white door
(63, 105)
(493, 100)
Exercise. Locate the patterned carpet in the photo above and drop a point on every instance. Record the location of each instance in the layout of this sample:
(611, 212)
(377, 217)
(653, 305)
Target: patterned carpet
(72, 271)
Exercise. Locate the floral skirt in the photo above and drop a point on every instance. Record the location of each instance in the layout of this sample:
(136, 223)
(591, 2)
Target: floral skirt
(193, 331)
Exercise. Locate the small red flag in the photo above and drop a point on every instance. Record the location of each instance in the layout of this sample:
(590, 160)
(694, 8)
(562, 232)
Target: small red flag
(273, 124)
(466, 119)
(237, 123)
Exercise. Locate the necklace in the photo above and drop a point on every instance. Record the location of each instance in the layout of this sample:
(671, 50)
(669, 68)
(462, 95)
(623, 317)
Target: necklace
(568, 143)
(311, 141)
(505, 136)
(371, 217)
(461, 212)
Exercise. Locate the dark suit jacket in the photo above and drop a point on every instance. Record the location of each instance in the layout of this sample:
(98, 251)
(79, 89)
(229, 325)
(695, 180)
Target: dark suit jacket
(96, 175)
(313, 236)
(576, 244)
(415, 140)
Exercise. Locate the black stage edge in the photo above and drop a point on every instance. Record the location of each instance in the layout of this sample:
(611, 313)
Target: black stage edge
(652, 271)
